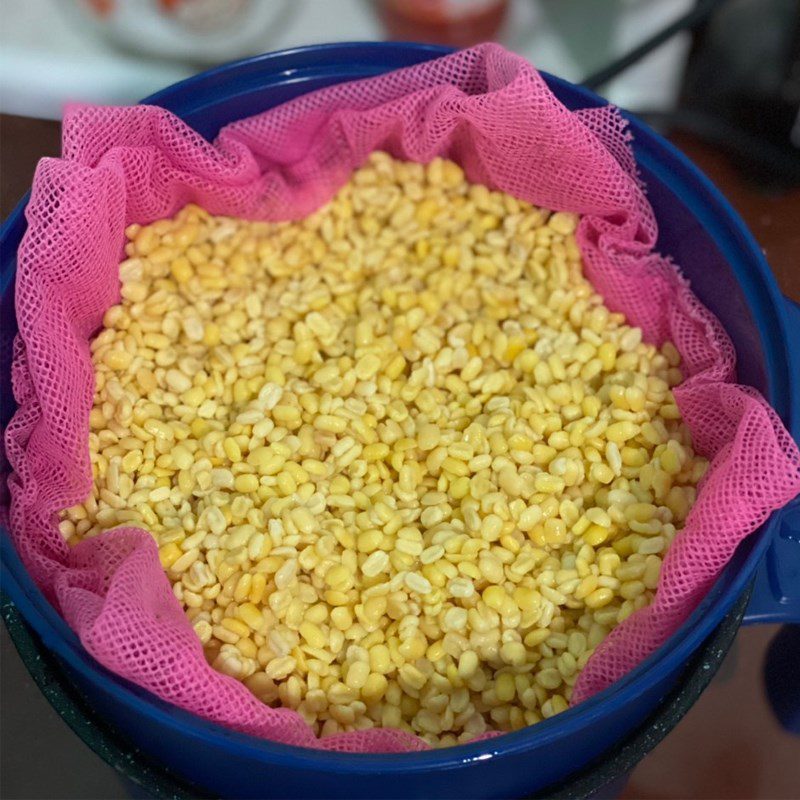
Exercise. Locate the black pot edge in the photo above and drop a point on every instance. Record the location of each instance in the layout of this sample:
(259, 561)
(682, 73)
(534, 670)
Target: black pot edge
(70, 705)
(158, 783)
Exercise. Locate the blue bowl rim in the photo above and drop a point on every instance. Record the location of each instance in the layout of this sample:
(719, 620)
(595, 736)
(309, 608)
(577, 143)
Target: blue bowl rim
(742, 251)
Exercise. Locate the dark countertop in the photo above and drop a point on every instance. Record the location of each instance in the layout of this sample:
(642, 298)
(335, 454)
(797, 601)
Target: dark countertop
(728, 746)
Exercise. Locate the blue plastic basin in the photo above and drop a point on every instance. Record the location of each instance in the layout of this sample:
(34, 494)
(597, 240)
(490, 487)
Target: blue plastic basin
(728, 272)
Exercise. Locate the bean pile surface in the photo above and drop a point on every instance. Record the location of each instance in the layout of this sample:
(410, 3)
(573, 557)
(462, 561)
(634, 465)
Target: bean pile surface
(402, 465)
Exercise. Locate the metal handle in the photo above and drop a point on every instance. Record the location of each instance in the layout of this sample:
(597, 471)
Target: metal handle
(776, 593)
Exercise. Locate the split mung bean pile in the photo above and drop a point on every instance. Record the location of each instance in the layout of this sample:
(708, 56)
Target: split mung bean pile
(402, 465)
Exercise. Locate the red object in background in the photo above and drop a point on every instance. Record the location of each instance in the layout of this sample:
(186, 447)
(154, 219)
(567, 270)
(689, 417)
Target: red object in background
(458, 23)
(101, 7)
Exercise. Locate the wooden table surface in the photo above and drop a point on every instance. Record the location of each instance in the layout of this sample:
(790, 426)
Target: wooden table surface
(728, 746)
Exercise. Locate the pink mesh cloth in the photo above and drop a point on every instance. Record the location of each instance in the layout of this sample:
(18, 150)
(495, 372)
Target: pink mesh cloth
(485, 108)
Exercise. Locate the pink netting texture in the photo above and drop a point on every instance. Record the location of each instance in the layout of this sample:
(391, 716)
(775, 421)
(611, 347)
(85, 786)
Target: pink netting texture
(490, 111)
